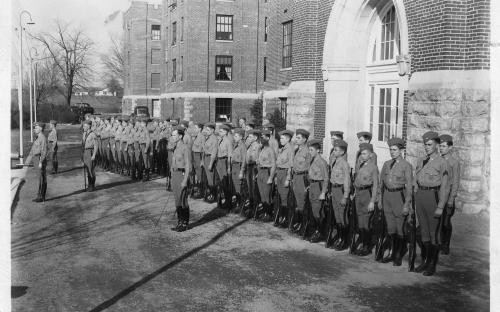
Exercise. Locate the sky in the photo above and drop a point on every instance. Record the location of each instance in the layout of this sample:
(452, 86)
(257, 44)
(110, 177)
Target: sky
(89, 14)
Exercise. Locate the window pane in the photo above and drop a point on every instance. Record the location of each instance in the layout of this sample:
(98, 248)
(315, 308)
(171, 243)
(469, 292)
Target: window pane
(380, 132)
(224, 27)
(223, 109)
(287, 45)
(223, 67)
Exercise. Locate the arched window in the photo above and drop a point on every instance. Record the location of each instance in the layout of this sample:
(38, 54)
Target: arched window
(385, 102)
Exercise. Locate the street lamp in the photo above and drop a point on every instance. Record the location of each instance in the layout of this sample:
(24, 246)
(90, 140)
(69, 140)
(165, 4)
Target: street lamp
(32, 91)
(20, 82)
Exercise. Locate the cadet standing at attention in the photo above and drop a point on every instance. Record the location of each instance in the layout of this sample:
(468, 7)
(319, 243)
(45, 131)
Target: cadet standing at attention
(181, 165)
(251, 169)
(144, 147)
(284, 164)
(39, 151)
(52, 138)
(340, 185)
(249, 127)
(301, 162)
(267, 167)
(364, 137)
(89, 146)
(112, 143)
(445, 148)
(431, 182)
(318, 187)
(197, 148)
(366, 184)
(210, 157)
(224, 151)
(335, 135)
(396, 184)
(238, 164)
(272, 140)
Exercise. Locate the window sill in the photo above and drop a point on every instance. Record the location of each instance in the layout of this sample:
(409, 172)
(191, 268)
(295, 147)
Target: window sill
(224, 41)
(224, 0)
(155, 89)
(225, 81)
(286, 69)
(155, 39)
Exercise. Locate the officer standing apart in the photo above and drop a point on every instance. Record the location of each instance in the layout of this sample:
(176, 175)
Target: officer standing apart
(318, 186)
(340, 184)
(266, 168)
(39, 151)
(284, 164)
(52, 138)
(431, 184)
(181, 166)
(366, 184)
(238, 164)
(396, 183)
(89, 146)
(301, 162)
(445, 148)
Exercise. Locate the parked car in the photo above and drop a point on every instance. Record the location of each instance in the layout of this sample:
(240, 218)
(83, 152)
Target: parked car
(80, 109)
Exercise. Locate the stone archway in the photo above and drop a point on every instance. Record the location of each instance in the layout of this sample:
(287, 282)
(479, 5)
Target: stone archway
(345, 55)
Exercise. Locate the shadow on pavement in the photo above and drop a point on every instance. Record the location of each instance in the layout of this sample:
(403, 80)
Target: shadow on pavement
(108, 303)
(69, 170)
(212, 215)
(18, 291)
(16, 199)
(97, 188)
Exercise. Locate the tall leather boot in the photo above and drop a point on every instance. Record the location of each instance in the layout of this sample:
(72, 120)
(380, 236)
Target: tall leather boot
(268, 213)
(297, 226)
(400, 251)
(337, 239)
(54, 167)
(180, 218)
(446, 234)
(392, 243)
(366, 239)
(184, 226)
(344, 238)
(433, 255)
(316, 237)
(424, 249)
(146, 175)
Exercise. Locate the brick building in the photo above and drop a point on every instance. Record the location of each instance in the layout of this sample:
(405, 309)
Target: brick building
(393, 67)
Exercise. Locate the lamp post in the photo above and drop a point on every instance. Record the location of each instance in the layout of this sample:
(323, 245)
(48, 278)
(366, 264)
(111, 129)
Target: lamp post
(20, 82)
(32, 91)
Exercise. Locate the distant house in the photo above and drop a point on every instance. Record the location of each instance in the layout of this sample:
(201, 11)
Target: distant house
(105, 92)
(81, 93)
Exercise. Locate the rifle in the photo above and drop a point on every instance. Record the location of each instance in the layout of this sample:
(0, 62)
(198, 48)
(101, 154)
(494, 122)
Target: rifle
(307, 211)
(276, 203)
(380, 230)
(352, 216)
(410, 232)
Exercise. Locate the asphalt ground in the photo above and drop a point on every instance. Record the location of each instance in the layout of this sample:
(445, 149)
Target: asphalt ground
(101, 251)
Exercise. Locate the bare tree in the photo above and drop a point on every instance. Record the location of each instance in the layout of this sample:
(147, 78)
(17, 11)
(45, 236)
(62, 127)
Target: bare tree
(48, 81)
(70, 49)
(114, 60)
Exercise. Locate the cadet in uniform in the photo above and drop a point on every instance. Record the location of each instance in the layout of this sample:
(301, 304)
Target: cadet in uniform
(238, 164)
(251, 169)
(340, 185)
(89, 146)
(181, 165)
(52, 138)
(154, 132)
(170, 151)
(210, 157)
(396, 184)
(431, 179)
(301, 162)
(445, 148)
(224, 151)
(112, 143)
(197, 148)
(266, 168)
(124, 144)
(39, 151)
(105, 133)
(364, 137)
(335, 135)
(249, 127)
(318, 186)
(366, 184)
(136, 155)
(284, 164)
(272, 140)
(144, 147)
(118, 145)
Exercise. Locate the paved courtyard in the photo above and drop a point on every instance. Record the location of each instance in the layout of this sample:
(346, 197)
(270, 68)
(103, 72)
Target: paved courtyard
(101, 251)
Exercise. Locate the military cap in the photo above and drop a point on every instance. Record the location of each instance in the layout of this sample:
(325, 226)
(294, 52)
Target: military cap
(302, 132)
(52, 121)
(210, 125)
(88, 122)
(365, 134)
(268, 126)
(400, 143)
(254, 132)
(88, 115)
(125, 118)
(266, 132)
(286, 132)
(340, 143)
(446, 138)
(224, 127)
(239, 131)
(337, 133)
(430, 135)
(315, 143)
(229, 125)
(185, 123)
(365, 146)
(39, 124)
(200, 125)
(179, 128)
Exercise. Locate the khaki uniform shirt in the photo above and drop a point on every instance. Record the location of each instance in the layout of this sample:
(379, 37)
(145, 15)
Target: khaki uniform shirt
(341, 174)
(267, 157)
(188, 139)
(225, 148)
(52, 137)
(434, 173)
(239, 155)
(368, 175)
(210, 147)
(274, 144)
(198, 143)
(318, 171)
(301, 159)
(181, 159)
(39, 148)
(253, 152)
(358, 160)
(453, 177)
(144, 137)
(401, 175)
(285, 159)
(89, 140)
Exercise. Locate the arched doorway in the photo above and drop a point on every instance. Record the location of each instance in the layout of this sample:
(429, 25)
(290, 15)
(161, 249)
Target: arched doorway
(364, 91)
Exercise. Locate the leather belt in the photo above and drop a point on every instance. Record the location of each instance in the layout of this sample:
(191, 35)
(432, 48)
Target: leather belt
(299, 172)
(426, 188)
(89, 148)
(236, 162)
(223, 157)
(281, 168)
(51, 141)
(336, 185)
(178, 169)
(264, 167)
(397, 189)
(364, 187)
(313, 181)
